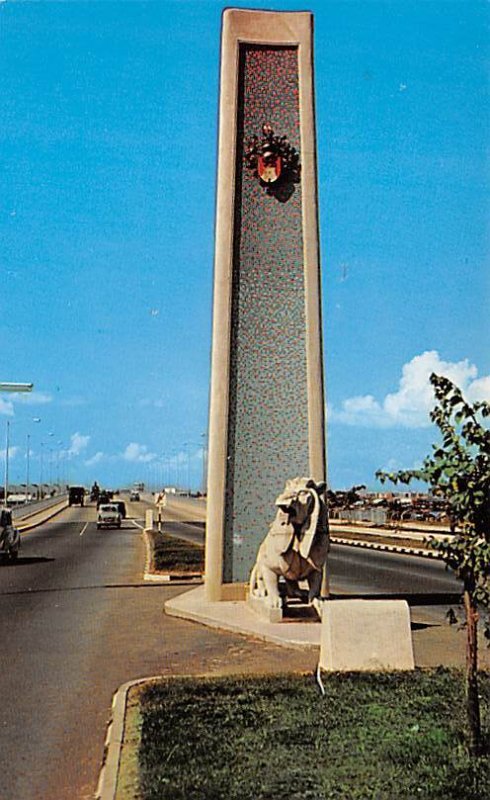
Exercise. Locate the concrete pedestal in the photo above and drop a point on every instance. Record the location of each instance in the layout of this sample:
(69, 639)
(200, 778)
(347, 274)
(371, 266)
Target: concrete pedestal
(264, 611)
(366, 636)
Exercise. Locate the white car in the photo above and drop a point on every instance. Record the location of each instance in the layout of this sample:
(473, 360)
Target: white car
(108, 516)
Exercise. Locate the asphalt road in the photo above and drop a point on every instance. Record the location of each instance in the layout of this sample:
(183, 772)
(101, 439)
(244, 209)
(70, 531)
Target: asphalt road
(55, 606)
(76, 621)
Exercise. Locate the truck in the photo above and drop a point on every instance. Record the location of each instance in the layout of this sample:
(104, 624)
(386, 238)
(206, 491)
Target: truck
(76, 495)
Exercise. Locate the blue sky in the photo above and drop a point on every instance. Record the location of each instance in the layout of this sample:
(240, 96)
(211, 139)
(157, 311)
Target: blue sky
(108, 161)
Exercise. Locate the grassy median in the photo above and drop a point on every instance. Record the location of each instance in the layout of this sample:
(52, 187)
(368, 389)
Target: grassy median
(172, 555)
(371, 737)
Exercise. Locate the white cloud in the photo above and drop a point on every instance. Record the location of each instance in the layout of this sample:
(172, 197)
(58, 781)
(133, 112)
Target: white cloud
(12, 453)
(409, 407)
(138, 452)
(6, 407)
(78, 443)
(31, 398)
(479, 389)
(96, 459)
(24, 398)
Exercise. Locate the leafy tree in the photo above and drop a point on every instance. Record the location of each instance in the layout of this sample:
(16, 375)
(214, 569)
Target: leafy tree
(459, 472)
(345, 499)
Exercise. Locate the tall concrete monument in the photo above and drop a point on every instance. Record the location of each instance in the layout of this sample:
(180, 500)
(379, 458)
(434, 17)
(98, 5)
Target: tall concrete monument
(267, 398)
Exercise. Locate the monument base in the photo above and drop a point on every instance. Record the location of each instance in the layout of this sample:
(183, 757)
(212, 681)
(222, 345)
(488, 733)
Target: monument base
(366, 636)
(237, 616)
(259, 606)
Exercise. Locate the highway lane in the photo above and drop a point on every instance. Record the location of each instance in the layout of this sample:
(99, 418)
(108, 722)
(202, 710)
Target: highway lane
(53, 602)
(62, 654)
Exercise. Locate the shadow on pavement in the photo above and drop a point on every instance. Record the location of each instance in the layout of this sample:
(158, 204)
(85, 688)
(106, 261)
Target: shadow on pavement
(24, 561)
(421, 626)
(176, 522)
(90, 588)
(417, 599)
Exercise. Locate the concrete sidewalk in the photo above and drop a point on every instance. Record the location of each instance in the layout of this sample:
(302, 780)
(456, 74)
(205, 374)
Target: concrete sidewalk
(435, 642)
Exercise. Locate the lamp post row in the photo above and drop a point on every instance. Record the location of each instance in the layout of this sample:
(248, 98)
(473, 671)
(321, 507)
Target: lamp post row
(6, 386)
(166, 462)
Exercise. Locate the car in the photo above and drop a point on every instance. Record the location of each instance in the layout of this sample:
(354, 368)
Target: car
(108, 516)
(121, 506)
(9, 537)
(134, 496)
(104, 497)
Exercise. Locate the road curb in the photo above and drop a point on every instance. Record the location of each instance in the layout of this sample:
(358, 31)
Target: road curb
(109, 771)
(165, 577)
(24, 528)
(169, 577)
(389, 548)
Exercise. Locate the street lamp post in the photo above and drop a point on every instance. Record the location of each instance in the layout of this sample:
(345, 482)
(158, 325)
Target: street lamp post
(7, 445)
(28, 457)
(41, 494)
(28, 452)
(204, 437)
(187, 446)
(6, 386)
(58, 477)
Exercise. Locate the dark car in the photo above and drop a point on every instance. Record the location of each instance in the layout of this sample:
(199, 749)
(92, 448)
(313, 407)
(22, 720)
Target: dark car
(9, 536)
(134, 495)
(103, 498)
(121, 507)
(76, 495)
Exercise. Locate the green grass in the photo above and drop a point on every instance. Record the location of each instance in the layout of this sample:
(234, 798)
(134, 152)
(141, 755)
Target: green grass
(371, 737)
(176, 555)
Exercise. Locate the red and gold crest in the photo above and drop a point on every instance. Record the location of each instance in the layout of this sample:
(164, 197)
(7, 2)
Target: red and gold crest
(273, 160)
(269, 168)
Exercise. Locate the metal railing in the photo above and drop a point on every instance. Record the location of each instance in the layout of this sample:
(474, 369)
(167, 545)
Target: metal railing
(377, 516)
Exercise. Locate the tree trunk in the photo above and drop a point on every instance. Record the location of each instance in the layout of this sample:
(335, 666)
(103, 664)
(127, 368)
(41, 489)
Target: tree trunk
(472, 700)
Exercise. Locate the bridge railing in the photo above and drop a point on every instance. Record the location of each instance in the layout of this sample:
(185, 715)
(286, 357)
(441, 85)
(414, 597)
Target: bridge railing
(29, 509)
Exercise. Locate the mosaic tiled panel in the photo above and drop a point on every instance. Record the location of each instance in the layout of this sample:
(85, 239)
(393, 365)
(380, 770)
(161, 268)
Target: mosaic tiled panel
(268, 422)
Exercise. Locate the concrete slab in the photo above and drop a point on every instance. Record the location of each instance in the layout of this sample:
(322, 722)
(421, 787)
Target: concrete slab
(366, 636)
(237, 616)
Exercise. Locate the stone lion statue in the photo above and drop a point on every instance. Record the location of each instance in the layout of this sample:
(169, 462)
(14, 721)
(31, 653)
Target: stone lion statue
(296, 545)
